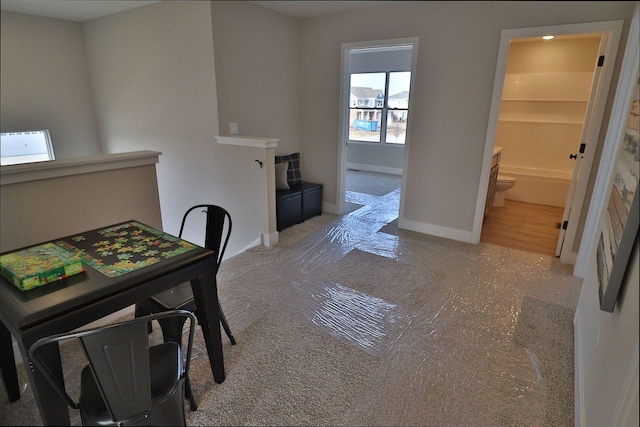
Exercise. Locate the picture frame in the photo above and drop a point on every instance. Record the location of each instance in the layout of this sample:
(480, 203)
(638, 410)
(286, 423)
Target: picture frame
(619, 230)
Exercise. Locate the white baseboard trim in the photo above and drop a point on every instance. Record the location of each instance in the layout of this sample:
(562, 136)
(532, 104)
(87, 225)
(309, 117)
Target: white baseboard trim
(268, 240)
(436, 230)
(578, 393)
(628, 400)
(374, 168)
(569, 258)
(330, 208)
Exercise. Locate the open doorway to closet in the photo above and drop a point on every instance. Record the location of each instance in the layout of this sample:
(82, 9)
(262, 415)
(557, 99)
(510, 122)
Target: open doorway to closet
(543, 130)
(375, 118)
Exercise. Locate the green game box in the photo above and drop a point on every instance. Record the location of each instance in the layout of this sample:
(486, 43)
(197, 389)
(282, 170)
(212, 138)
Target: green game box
(39, 265)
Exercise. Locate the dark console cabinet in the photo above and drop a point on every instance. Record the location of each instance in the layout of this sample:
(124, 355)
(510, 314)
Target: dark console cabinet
(311, 200)
(298, 204)
(288, 212)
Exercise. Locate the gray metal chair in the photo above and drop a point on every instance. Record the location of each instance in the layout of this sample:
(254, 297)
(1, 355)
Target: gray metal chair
(217, 233)
(126, 381)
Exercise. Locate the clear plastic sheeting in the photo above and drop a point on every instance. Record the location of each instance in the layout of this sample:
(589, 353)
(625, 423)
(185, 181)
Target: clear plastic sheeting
(442, 317)
(325, 247)
(343, 312)
(391, 328)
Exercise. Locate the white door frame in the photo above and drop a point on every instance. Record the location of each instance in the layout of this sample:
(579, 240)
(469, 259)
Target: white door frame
(615, 131)
(613, 30)
(343, 121)
(578, 187)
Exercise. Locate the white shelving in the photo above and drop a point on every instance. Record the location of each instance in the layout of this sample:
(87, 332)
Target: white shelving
(571, 86)
(541, 118)
(546, 98)
(544, 122)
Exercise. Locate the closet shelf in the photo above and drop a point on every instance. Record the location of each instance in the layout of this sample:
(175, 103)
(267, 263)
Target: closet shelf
(548, 122)
(543, 100)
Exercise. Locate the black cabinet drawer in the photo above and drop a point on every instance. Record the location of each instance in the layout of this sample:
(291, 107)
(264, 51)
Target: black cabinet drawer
(288, 209)
(311, 200)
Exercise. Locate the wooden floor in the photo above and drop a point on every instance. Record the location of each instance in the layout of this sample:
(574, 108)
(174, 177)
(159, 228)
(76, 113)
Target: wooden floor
(524, 226)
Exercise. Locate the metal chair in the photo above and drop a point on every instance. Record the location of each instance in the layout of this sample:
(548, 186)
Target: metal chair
(217, 233)
(126, 381)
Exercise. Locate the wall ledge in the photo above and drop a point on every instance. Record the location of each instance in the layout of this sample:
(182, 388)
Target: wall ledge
(14, 174)
(248, 141)
(266, 201)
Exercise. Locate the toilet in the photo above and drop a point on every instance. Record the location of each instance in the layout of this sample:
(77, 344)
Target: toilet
(503, 183)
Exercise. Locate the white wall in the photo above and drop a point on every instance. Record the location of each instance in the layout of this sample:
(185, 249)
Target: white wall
(458, 47)
(258, 71)
(385, 158)
(46, 83)
(154, 82)
(162, 56)
(155, 88)
(152, 74)
(607, 349)
(44, 201)
(607, 344)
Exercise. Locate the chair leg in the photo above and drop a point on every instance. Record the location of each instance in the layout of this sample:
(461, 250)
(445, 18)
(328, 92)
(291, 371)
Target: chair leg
(225, 325)
(141, 311)
(189, 395)
(8, 365)
(172, 329)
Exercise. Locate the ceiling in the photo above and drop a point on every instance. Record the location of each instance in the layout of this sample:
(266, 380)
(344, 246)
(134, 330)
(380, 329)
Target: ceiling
(312, 9)
(86, 10)
(71, 10)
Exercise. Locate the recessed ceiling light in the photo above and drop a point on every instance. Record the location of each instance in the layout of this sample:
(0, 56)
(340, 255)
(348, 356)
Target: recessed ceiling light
(548, 37)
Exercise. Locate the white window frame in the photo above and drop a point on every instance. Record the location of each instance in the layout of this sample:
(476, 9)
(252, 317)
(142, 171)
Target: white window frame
(19, 147)
(381, 107)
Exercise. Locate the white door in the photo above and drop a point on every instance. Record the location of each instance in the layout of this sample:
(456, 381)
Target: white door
(612, 31)
(580, 173)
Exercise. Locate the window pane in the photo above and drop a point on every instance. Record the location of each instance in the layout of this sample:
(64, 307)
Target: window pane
(399, 84)
(366, 99)
(25, 147)
(364, 125)
(396, 126)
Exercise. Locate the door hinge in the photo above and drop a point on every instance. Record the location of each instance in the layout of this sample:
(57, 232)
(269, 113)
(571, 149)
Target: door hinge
(601, 61)
(565, 225)
(582, 148)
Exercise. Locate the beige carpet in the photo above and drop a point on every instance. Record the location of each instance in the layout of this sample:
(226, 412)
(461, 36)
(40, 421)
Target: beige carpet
(351, 321)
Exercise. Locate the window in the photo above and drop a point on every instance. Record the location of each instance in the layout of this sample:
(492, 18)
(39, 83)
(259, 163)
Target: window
(379, 106)
(25, 147)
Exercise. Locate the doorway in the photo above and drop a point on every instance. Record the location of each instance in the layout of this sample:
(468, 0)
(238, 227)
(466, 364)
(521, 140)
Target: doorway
(545, 98)
(578, 119)
(375, 114)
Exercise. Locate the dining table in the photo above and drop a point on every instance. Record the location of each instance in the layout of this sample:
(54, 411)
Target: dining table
(124, 263)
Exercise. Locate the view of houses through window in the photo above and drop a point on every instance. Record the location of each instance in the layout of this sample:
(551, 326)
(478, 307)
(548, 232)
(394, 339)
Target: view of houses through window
(25, 147)
(379, 106)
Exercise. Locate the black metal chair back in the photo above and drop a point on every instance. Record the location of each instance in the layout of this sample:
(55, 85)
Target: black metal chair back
(126, 381)
(218, 224)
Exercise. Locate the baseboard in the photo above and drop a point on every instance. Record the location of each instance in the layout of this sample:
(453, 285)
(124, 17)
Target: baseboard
(436, 230)
(330, 208)
(374, 168)
(569, 258)
(268, 240)
(578, 397)
(626, 410)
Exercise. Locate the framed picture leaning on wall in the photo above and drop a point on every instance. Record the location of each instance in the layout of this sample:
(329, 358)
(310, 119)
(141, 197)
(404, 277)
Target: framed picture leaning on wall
(619, 230)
